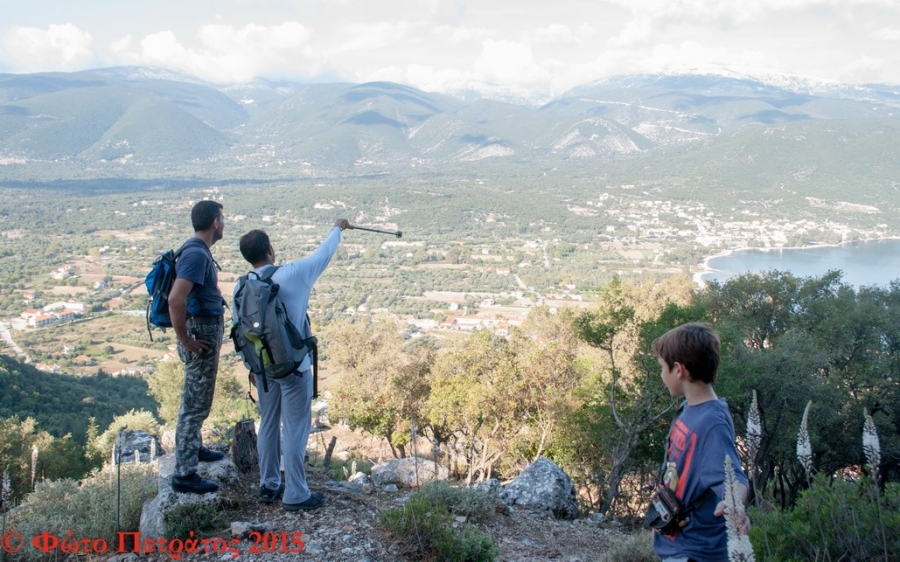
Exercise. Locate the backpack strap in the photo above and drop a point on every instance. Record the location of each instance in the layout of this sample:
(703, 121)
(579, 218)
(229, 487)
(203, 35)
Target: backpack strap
(662, 469)
(268, 273)
(313, 345)
(194, 241)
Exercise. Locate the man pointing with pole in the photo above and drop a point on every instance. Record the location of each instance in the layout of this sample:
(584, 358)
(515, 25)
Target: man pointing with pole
(285, 403)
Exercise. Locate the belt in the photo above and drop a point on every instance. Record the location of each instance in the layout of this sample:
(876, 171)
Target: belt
(205, 320)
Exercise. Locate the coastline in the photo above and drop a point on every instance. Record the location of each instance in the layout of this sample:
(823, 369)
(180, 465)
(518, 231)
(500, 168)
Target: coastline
(704, 268)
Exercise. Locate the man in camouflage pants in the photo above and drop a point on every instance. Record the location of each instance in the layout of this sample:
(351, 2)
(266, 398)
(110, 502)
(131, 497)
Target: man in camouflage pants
(196, 307)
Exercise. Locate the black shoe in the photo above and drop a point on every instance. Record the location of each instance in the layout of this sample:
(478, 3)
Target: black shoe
(193, 484)
(208, 455)
(314, 501)
(268, 495)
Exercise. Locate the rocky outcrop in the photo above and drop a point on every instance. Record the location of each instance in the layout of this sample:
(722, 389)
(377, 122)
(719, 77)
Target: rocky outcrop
(132, 444)
(543, 488)
(410, 472)
(153, 514)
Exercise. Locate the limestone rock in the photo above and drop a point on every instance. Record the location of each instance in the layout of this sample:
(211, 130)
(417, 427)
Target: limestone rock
(543, 488)
(133, 441)
(363, 481)
(411, 472)
(223, 472)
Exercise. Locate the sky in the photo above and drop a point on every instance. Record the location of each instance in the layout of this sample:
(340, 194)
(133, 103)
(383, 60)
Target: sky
(528, 48)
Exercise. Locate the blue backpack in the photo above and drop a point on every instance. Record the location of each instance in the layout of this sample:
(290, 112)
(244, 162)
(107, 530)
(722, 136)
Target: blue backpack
(159, 282)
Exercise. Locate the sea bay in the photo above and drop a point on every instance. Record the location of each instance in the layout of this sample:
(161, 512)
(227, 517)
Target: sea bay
(875, 262)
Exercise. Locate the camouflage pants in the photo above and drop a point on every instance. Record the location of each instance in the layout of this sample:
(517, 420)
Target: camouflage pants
(196, 398)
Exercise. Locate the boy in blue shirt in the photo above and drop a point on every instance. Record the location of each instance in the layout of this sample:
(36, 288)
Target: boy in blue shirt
(698, 442)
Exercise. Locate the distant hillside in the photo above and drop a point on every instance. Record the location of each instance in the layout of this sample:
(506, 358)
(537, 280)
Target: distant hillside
(133, 121)
(63, 404)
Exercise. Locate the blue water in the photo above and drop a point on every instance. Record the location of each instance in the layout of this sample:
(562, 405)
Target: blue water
(862, 263)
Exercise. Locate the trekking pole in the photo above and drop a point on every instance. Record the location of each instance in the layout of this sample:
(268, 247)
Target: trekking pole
(118, 457)
(412, 426)
(396, 233)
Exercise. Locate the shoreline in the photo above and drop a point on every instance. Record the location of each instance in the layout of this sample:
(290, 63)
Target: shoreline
(703, 267)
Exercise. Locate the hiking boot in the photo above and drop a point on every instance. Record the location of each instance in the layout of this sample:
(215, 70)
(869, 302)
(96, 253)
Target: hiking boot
(314, 501)
(208, 455)
(193, 484)
(268, 495)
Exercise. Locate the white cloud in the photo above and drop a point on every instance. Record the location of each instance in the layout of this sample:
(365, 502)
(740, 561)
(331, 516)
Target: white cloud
(388, 74)
(464, 35)
(506, 67)
(447, 11)
(887, 34)
(449, 45)
(509, 62)
(704, 10)
(163, 47)
(368, 36)
(864, 69)
(59, 47)
(694, 55)
(637, 32)
(733, 13)
(430, 80)
(121, 46)
(554, 33)
(225, 53)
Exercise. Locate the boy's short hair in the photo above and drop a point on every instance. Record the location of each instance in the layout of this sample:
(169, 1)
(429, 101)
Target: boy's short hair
(255, 246)
(694, 345)
(204, 213)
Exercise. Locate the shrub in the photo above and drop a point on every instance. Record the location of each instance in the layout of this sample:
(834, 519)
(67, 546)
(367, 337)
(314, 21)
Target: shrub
(189, 517)
(473, 503)
(135, 419)
(88, 509)
(342, 470)
(637, 547)
(832, 520)
(425, 531)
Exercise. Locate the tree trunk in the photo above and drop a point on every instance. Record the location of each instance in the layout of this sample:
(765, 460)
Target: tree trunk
(243, 446)
(326, 462)
(617, 472)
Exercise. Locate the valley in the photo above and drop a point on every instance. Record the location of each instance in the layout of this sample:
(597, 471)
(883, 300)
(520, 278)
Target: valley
(504, 207)
(480, 261)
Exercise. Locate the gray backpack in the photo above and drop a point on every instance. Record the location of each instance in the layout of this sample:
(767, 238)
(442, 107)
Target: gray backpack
(263, 334)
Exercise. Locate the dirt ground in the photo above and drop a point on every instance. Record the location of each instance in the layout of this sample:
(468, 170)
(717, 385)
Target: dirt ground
(346, 528)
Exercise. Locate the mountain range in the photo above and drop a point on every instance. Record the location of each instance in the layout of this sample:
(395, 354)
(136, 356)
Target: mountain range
(133, 118)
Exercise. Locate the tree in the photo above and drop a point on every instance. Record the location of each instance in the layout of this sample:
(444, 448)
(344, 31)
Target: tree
(463, 407)
(795, 340)
(630, 401)
(229, 401)
(382, 386)
(166, 385)
(57, 457)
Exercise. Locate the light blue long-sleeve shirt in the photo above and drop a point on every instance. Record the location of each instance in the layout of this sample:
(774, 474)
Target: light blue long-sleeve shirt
(296, 280)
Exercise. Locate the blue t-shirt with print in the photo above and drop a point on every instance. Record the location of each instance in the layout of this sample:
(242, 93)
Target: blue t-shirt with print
(699, 441)
(196, 265)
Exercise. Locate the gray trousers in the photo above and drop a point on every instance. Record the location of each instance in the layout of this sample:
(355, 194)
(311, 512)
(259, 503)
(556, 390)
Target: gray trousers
(285, 412)
(196, 398)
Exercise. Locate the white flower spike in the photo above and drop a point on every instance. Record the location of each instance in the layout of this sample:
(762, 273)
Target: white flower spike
(804, 448)
(739, 547)
(871, 446)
